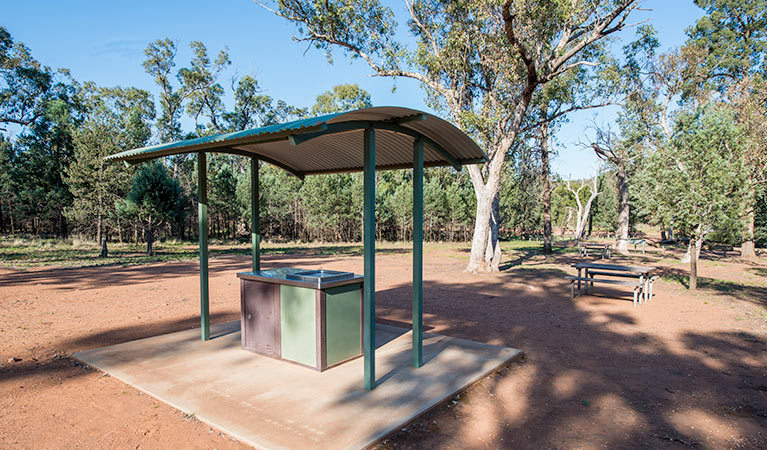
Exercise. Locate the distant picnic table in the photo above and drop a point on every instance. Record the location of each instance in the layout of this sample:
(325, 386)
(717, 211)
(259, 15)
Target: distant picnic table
(641, 278)
(603, 249)
(636, 241)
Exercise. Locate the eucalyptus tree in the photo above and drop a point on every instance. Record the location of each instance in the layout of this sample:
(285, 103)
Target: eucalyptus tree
(576, 90)
(253, 108)
(480, 63)
(730, 42)
(195, 87)
(646, 94)
(40, 103)
(159, 63)
(26, 86)
(583, 204)
(205, 93)
(342, 97)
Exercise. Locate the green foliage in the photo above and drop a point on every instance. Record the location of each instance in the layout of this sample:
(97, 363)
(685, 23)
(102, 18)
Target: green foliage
(202, 89)
(520, 197)
(224, 209)
(253, 109)
(116, 119)
(281, 213)
(332, 206)
(159, 63)
(604, 211)
(730, 39)
(692, 182)
(343, 97)
(41, 101)
(26, 86)
(155, 195)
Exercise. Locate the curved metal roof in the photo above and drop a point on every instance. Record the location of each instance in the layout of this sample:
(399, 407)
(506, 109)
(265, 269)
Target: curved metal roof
(333, 142)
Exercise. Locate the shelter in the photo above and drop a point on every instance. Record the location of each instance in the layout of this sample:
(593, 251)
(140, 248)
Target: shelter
(389, 137)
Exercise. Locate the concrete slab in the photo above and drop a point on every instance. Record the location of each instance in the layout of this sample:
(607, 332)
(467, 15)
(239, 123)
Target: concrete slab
(274, 404)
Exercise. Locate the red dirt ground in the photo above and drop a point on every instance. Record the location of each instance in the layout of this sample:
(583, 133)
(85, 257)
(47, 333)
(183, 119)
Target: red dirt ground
(681, 371)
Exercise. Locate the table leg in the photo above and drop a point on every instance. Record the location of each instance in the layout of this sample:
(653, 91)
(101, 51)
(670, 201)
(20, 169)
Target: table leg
(586, 285)
(643, 282)
(648, 285)
(579, 281)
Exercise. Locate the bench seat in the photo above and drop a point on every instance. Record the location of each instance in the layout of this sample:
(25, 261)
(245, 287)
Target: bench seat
(635, 284)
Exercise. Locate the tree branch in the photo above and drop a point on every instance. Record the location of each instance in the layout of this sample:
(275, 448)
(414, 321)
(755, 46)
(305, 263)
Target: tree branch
(565, 112)
(524, 54)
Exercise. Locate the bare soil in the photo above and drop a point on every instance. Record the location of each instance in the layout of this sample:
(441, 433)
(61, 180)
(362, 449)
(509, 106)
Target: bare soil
(685, 370)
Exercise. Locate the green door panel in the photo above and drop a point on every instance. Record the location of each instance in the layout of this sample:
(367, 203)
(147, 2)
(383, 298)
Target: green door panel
(342, 326)
(298, 322)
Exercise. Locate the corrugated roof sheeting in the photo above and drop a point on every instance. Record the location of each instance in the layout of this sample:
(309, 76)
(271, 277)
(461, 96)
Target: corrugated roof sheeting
(335, 151)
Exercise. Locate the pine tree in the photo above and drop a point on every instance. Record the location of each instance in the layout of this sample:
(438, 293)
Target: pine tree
(117, 120)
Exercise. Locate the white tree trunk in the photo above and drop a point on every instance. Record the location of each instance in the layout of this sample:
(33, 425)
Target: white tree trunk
(698, 244)
(583, 210)
(481, 231)
(623, 212)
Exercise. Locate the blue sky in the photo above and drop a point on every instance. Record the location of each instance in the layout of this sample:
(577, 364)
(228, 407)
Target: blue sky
(103, 41)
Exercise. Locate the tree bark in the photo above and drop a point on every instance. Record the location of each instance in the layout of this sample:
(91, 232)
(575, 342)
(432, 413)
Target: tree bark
(748, 249)
(493, 250)
(487, 188)
(149, 239)
(98, 227)
(583, 210)
(546, 185)
(481, 230)
(104, 249)
(63, 226)
(696, 244)
(694, 265)
(622, 237)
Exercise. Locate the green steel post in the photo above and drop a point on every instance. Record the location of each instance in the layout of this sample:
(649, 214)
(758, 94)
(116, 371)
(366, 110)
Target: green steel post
(417, 253)
(368, 237)
(202, 216)
(255, 215)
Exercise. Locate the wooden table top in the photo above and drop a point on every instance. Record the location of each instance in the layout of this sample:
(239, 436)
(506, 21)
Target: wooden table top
(616, 267)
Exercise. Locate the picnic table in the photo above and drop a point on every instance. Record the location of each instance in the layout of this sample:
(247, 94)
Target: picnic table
(636, 242)
(603, 249)
(641, 278)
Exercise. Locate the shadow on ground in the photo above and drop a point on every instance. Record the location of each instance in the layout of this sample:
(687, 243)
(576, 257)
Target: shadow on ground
(629, 378)
(592, 375)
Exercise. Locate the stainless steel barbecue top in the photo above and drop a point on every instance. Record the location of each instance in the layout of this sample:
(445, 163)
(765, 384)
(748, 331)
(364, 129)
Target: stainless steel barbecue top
(319, 276)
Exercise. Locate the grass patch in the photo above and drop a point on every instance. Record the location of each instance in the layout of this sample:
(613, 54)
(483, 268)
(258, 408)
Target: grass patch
(30, 252)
